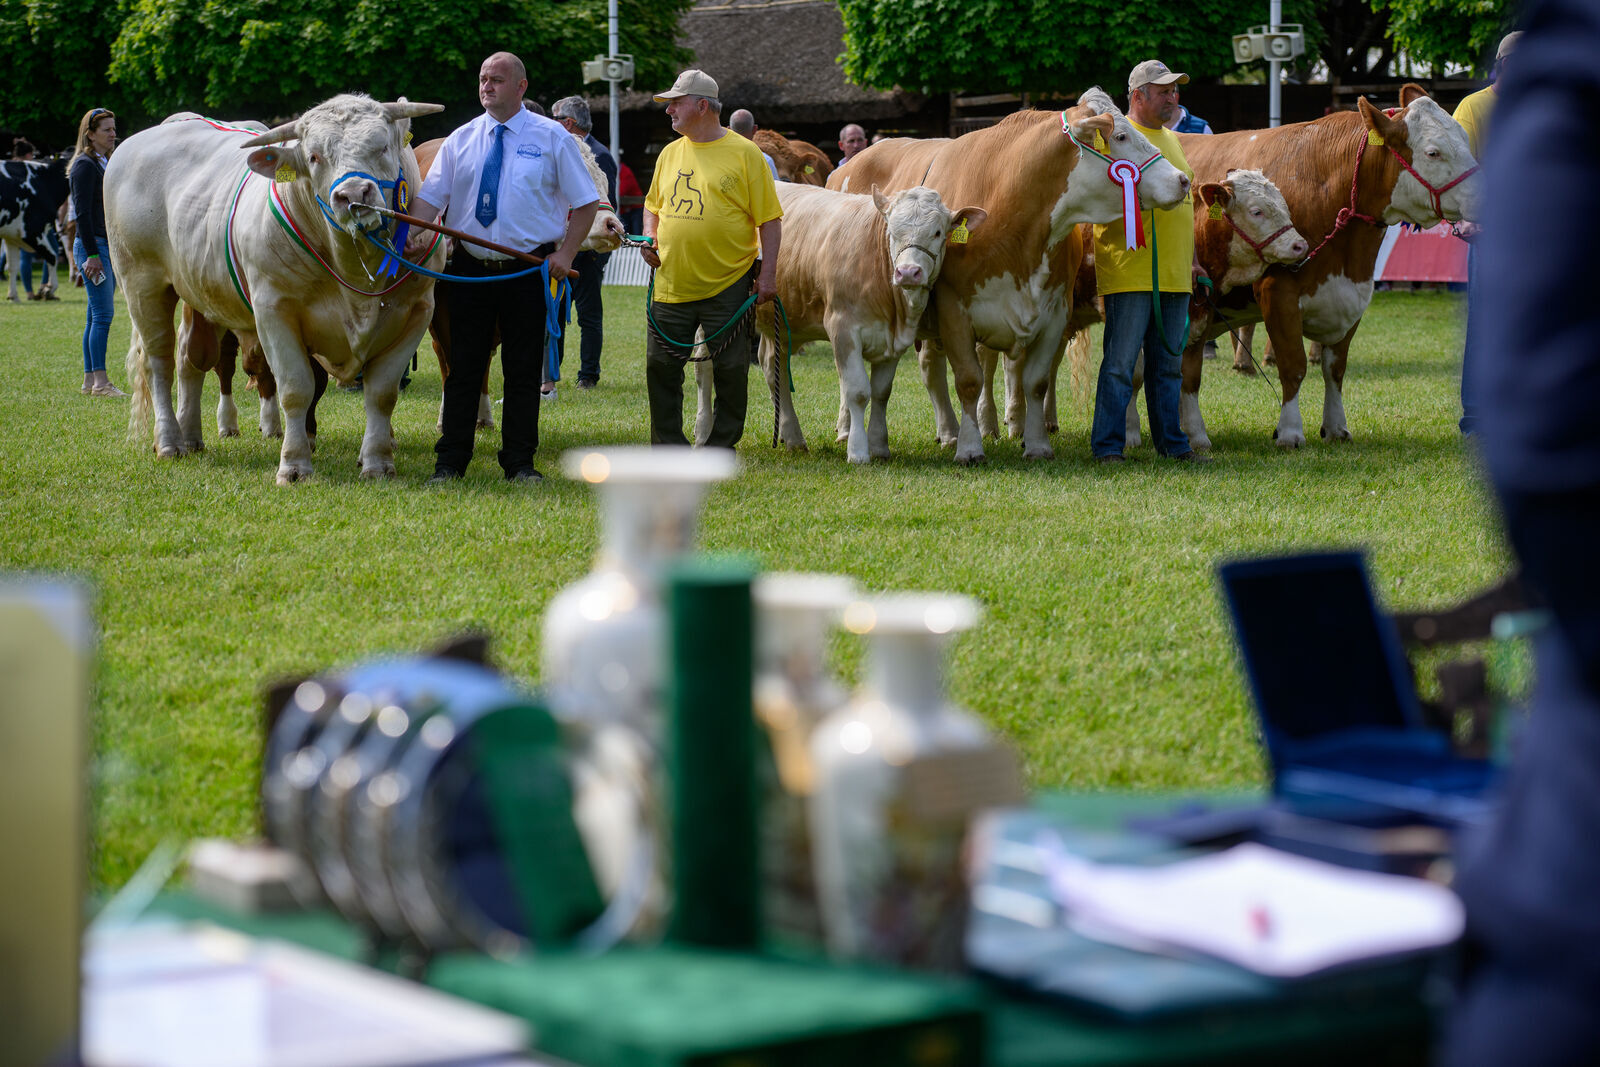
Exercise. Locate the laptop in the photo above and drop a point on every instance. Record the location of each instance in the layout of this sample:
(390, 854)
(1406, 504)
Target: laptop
(1339, 713)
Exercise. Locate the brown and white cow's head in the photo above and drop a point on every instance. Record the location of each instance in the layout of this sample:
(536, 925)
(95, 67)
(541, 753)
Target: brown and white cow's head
(347, 150)
(1424, 135)
(606, 231)
(919, 228)
(1258, 225)
(1092, 194)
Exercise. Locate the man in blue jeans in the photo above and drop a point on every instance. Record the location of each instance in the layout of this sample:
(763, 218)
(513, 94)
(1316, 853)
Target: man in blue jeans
(1123, 275)
(573, 113)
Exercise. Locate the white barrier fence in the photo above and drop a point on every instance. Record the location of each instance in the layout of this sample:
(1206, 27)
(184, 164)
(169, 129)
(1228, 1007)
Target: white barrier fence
(627, 267)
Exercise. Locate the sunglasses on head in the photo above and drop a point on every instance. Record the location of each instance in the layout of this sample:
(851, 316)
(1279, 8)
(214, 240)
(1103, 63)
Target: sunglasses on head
(97, 114)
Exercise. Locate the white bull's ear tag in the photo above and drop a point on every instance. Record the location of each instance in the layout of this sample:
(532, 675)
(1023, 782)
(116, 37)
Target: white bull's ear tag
(285, 174)
(1215, 211)
(408, 137)
(959, 235)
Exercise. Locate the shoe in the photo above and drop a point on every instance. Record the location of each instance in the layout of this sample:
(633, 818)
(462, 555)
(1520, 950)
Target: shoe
(525, 474)
(107, 390)
(1110, 457)
(587, 383)
(36, 296)
(547, 393)
(1192, 456)
(441, 475)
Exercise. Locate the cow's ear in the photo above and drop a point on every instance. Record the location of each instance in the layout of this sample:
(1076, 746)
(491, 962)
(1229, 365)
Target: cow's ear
(1410, 93)
(1380, 127)
(971, 217)
(880, 200)
(1217, 193)
(1085, 129)
(281, 163)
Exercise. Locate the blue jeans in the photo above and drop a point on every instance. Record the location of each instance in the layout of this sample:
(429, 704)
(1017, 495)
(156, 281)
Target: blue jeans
(25, 266)
(1130, 326)
(97, 330)
(588, 310)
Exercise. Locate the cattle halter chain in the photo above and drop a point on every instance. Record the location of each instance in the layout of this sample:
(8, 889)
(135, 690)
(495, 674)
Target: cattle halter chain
(1123, 172)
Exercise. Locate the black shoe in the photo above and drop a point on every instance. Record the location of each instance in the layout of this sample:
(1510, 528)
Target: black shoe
(441, 475)
(524, 474)
(587, 383)
(1110, 457)
(1192, 456)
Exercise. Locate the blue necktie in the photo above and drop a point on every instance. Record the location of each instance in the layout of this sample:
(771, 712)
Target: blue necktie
(489, 184)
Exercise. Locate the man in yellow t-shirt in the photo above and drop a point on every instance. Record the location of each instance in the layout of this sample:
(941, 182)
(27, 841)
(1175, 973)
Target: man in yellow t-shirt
(1473, 114)
(711, 207)
(1124, 277)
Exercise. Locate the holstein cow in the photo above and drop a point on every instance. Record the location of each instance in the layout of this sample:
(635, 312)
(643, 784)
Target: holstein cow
(1010, 286)
(854, 270)
(797, 161)
(30, 195)
(1346, 176)
(271, 244)
(605, 235)
(1244, 229)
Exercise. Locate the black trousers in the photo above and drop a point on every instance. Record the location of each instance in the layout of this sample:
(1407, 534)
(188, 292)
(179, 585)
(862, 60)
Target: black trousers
(730, 366)
(515, 307)
(589, 313)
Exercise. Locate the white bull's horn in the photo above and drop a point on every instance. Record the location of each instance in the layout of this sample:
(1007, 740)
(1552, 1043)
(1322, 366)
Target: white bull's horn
(277, 135)
(395, 110)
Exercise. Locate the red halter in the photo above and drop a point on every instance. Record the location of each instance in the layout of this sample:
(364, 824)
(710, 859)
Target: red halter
(1264, 242)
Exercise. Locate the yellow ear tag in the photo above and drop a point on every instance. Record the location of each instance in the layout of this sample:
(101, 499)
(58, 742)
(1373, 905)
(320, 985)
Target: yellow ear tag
(1374, 138)
(1215, 211)
(408, 137)
(1099, 142)
(285, 174)
(959, 235)
(810, 169)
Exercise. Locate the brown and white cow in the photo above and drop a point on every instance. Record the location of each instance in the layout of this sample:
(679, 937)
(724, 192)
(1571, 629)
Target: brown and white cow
(605, 235)
(855, 270)
(796, 161)
(1346, 176)
(1010, 287)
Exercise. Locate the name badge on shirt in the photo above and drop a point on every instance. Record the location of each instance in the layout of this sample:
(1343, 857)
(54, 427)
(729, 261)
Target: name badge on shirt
(529, 151)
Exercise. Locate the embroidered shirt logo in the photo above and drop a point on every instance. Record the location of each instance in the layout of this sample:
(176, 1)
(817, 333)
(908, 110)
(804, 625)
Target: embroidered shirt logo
(529, 151)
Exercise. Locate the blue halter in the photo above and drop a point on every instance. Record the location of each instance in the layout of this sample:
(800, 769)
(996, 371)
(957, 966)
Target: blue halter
(399, 201)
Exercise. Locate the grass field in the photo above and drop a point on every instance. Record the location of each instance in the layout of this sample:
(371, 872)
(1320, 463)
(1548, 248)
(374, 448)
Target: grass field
(1104, 653)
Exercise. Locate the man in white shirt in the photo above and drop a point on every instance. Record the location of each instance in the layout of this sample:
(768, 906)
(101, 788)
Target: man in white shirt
(511, 177)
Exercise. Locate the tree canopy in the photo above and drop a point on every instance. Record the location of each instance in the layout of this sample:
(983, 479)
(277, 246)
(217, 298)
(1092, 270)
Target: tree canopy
(1043, 46)
(268, 59)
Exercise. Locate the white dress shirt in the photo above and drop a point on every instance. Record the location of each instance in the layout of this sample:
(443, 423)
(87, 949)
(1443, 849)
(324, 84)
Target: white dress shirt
(542, 178)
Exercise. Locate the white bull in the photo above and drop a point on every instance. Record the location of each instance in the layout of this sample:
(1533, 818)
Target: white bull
(855, 270)
(266, 243)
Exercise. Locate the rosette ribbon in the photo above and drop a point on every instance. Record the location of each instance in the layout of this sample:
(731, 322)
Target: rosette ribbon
(1125, 172)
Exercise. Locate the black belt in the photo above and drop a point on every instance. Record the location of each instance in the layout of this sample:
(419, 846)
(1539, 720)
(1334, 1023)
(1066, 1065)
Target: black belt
(467, 263)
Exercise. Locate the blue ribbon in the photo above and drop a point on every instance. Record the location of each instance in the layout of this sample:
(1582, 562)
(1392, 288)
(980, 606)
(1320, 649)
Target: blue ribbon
(398, 201)
(557, 313)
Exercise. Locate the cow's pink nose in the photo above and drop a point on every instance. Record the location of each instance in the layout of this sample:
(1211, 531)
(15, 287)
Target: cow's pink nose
(1299, 248)
(908, 274)
(1183, 181)
(354, 191)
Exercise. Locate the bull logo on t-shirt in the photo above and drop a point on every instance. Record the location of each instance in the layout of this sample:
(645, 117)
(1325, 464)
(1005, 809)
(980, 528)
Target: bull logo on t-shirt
(685, 196)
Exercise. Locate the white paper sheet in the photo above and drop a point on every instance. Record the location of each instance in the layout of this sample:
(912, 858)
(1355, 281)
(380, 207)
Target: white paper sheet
(1269, 911)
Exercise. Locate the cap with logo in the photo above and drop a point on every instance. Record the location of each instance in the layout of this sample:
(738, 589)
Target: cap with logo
(1154, 72)
(690, 83)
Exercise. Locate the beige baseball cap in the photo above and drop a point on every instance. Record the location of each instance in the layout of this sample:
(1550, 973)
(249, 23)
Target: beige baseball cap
(691, 83)
(1508, 44)
(1154, 72)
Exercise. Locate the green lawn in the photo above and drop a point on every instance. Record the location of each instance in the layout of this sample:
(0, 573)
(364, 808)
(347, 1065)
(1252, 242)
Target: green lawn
(1104, 653)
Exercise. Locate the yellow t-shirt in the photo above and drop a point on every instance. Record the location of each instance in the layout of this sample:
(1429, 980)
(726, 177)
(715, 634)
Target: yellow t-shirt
(1473, 114)
(709, 198)
(1119, 269)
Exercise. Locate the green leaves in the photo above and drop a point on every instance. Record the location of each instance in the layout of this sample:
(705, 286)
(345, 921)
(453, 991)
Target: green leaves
(267, 59)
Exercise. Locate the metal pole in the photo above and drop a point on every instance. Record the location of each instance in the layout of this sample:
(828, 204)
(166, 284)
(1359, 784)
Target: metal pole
(1274, 68)
(616, 93)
